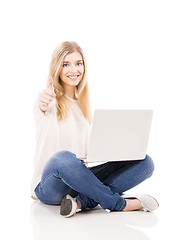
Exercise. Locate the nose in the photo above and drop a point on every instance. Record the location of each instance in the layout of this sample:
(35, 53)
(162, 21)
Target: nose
(73, 68)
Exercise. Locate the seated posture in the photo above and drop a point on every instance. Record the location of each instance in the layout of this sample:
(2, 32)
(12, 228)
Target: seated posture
(63, 119)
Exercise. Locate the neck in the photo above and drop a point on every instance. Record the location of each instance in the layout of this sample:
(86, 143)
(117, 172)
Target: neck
(70, 92)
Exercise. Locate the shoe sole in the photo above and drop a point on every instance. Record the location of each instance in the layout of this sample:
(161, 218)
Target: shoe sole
(68, 206)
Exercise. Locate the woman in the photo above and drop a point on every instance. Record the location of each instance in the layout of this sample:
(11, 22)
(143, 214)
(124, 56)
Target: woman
(63, 118)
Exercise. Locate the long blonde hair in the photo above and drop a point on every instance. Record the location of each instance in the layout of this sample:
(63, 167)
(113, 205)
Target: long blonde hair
(82, 92)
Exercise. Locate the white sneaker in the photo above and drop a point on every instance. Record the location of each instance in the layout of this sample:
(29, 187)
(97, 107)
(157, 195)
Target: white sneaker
(68, 206)
(148, 202)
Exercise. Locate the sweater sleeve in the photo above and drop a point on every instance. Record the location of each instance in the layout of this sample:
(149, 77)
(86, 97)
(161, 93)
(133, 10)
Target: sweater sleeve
(38, 114)
(40, 117)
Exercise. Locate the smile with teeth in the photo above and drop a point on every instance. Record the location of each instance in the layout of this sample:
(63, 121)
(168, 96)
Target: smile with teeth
(73, 76)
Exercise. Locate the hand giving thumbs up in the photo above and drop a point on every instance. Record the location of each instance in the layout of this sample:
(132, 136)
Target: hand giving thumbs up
(46, 97)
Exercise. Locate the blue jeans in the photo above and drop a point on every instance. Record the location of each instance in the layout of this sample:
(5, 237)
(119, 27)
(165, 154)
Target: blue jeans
(64, 173)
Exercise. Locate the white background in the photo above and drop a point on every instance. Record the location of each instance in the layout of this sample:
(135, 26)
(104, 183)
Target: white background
(133, 55)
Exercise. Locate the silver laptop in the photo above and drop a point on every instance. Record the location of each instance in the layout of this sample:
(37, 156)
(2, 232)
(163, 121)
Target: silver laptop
(119, 135)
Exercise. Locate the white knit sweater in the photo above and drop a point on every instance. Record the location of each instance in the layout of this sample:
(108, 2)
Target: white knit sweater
(53, 136)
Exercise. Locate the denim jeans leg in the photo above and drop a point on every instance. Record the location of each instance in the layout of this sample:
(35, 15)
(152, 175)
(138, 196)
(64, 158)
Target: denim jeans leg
(51, 189)
(130, 175)
(120, 176)
(101, 171)
(78, 177)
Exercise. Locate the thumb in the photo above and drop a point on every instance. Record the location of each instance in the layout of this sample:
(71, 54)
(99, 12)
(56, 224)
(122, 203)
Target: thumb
(51, 84)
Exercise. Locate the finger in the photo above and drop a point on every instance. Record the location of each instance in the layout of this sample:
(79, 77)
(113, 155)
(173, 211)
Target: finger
(51, 84)
(43, 107)
(49, 92)
(46, 96)
(44, 100)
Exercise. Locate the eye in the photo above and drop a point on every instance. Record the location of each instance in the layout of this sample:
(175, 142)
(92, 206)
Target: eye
(65, 65)
(79, 63)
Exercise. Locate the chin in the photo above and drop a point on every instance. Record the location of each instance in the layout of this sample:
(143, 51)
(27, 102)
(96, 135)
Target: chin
(74, 83)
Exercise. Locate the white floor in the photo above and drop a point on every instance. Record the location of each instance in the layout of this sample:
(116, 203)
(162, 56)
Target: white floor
(97, 224)
(26, 219)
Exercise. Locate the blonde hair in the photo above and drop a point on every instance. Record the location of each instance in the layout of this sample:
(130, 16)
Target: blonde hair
(82, 92)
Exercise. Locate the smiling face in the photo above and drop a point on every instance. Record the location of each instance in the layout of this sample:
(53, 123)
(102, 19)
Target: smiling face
(72, 70)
